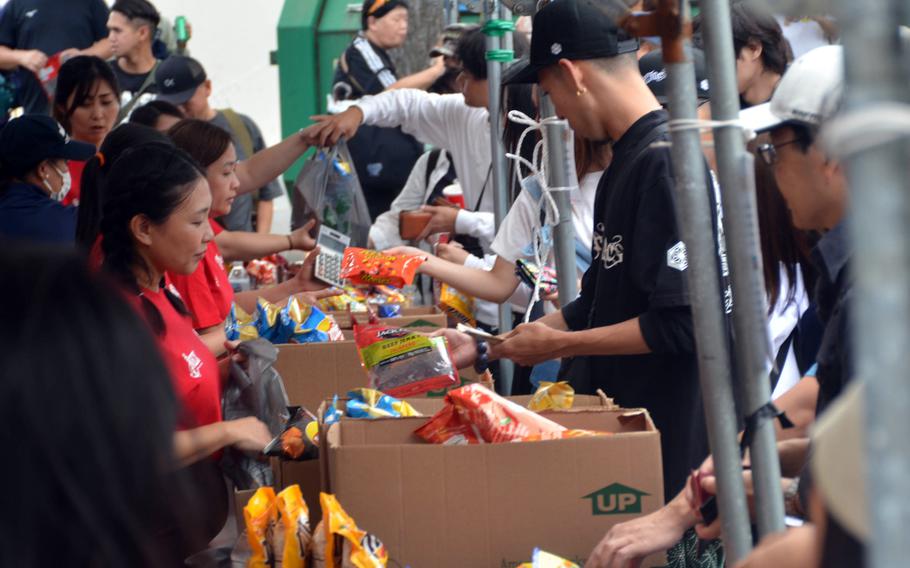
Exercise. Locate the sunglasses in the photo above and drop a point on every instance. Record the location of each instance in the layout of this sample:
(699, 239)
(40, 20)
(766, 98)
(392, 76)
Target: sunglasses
(768, 152)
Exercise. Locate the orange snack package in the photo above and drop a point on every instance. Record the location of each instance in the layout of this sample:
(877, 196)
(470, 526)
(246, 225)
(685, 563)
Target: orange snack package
(260, 516)
(295, 522)
(373, 268)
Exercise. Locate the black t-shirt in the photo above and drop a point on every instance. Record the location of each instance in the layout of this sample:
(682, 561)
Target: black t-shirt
(130, 83)
(638, 271)
(50, 26)
(370, 69)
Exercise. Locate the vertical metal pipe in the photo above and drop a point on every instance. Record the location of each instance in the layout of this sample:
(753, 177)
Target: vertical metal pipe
(559, 175)
(694, 214)
(500, 188)
(450, 8)
(880, 230)
(750, 304)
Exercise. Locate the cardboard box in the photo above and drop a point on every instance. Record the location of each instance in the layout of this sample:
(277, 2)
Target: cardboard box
(490, 505)
(306, 474)
(313, 372)
(420, 317)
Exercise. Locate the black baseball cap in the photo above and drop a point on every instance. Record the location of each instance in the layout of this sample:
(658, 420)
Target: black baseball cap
(177, 78)
(573, 30)
(30, 139)
(654, 72)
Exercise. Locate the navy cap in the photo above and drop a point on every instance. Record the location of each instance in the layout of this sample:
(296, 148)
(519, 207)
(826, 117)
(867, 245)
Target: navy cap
(30, 139)
(654, 72)
(569, 29)
(177, 78)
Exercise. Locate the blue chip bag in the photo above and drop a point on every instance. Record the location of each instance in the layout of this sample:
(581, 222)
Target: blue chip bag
(389, 310)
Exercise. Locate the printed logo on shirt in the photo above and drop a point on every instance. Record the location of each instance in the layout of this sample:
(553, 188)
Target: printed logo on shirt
(194, 363)
(219, 260)
(609, 252)
(677, 258)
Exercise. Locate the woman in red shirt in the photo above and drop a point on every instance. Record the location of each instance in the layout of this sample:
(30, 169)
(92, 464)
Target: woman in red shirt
(155, 213)
(86, 103)
(207, 292)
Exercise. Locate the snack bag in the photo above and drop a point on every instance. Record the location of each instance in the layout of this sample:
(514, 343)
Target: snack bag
(264, 271)
(542, 559)
(308, 324)
(529, 273)
(389, 310)
(295, 524)
(260, 516)
(300, 439)
(369, 403)
(332, 414)
(552, 396)
(459, 306)
(357, 548)
(477, 414)
(370, 267)
(404, 363)
(239, 325)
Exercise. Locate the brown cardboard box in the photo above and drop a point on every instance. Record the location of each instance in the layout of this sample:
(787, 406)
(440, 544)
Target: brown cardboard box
(410, 317)
(313, 372)
(491, 505)
(306, 474)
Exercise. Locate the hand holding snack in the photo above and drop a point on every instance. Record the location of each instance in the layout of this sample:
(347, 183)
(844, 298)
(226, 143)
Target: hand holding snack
(462, 346)
(370, 267)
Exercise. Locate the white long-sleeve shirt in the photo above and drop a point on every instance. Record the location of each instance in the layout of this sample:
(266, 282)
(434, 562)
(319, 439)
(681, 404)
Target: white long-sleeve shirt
(445, 121)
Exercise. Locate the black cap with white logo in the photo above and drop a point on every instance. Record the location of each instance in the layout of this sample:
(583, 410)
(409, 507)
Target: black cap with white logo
(570, 29)
(177, 78)
(654, 72)
(30, 139)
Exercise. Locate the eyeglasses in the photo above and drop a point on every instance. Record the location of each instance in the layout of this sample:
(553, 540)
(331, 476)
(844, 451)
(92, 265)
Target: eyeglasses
(376, 6)
(768, 152)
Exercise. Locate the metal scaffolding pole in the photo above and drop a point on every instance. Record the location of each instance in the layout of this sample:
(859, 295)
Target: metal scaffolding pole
(694, 215)
(450, 9)
(558, 175)
(880, 230)
(750, 305)
(493, 11)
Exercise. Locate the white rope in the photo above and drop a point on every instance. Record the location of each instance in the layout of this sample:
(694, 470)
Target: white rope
(546, 203)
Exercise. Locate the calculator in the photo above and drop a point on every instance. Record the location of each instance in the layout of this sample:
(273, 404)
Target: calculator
(331, 252)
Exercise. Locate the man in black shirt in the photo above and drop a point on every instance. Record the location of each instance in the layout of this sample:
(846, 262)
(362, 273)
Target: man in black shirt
(132, 26)
(31, 31)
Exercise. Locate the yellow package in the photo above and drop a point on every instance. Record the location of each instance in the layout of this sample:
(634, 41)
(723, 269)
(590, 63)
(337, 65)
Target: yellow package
(457, 305)
(542, 559)
(360, 549)
(552, 396)
(260, 516)
(295, 522)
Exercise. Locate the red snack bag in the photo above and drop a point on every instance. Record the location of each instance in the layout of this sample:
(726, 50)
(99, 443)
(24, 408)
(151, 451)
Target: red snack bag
(475, 414)
(370, 267)
(404, 363)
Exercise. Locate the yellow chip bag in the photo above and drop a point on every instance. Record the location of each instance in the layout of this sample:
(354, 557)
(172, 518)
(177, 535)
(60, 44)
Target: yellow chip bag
(260, 516)
(457, 305)
(552, 396)
(359, 549)
(295, 523)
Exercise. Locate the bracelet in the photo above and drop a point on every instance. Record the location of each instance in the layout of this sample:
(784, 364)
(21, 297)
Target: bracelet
(290, 243)
(482, 363)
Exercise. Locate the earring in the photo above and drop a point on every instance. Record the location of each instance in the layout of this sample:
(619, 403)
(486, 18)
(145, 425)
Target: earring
(583, 91)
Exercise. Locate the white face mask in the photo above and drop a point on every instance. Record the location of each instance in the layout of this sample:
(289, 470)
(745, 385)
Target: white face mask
(64, 189)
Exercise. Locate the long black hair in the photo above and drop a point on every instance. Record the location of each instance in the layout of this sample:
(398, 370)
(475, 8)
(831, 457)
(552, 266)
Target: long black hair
(204, 141)
(120, 139)
(152, 180)
(76, 79)
(149, 113)
(88, 419)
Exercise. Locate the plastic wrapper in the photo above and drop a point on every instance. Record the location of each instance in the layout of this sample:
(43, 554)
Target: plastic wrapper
(369, 403)
(260, 517)
(474, 414)
(370, 267)
(552, 396)
(529, 273)
(389, 310)
(294, 322)
(542, 559)
(404, 363)
(332, 414)
(296, 536)
(239, 325)
(340, 544)
(458, 306)
(299, 441)
(265, 272)
(253, 389)
(327, 188)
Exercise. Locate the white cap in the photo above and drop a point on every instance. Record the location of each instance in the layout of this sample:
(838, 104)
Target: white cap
(809, 92)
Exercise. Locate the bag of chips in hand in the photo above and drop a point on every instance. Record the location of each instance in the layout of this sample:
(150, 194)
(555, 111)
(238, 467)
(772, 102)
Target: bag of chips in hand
(552, 396)
(370, 267)
(369, 403)
(260, 516)
(300, 439)
(457, 305)
(296, 536)
(340, 544)
(404, 363)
